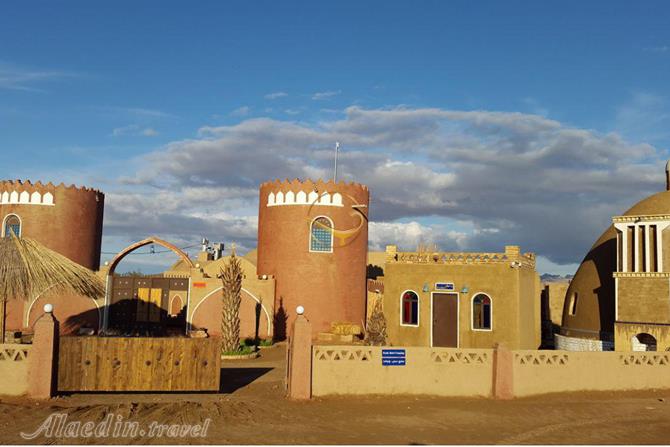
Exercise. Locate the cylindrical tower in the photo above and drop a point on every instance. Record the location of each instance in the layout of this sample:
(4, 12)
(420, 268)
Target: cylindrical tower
(66, 219)
(313, 238)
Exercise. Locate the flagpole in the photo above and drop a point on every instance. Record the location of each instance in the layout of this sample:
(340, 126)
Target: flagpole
(337, 149)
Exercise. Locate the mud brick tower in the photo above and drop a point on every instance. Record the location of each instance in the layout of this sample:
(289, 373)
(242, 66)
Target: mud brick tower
(313, 239)
(66, 219)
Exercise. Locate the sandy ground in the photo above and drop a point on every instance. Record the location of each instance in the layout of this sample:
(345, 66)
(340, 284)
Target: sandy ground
(251, 410)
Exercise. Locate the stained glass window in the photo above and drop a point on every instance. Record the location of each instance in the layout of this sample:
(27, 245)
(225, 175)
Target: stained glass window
(12, 225)
(322, 235)
(410, 308)
(481, 312)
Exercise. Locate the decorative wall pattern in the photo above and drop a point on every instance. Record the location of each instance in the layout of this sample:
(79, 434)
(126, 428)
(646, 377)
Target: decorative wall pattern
(302, 198)
(461, 356)
(541, 359)
(645, 359)
(8, 353)
(26, 198)
(358, 354)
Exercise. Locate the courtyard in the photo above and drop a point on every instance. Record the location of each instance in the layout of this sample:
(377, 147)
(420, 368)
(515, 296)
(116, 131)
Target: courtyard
(251, 409)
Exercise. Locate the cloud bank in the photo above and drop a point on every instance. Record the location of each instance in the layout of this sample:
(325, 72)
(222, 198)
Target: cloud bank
(466, 180)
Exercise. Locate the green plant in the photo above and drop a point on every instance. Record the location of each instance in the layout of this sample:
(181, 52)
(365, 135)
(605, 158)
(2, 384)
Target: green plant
(241, 350)
(375, 333)
(266, 342)
(231, 281)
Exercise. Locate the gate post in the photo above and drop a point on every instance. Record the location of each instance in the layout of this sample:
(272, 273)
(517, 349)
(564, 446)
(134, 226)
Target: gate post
(300, 358)
(503, 369)
(43, 357)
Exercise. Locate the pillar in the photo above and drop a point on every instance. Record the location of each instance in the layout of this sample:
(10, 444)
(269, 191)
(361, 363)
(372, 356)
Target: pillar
(300, 359)
(503, 367)
(43, 357)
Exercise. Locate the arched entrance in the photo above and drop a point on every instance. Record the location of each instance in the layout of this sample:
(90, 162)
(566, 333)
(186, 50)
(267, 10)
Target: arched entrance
(643, 342)
(140, 304)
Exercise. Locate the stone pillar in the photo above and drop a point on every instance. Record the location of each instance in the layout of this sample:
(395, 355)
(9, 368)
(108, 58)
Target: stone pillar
(300, 359)
(503, 367)
(43, 357)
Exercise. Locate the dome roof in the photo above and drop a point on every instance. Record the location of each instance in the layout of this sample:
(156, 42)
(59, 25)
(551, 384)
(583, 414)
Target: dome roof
(593, 283)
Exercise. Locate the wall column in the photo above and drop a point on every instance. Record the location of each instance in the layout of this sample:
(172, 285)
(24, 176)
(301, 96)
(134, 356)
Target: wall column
(503, 368)
(43, 357)
(299, 367)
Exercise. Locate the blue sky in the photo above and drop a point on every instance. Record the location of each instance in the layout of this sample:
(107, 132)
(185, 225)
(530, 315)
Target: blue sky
(555, 111)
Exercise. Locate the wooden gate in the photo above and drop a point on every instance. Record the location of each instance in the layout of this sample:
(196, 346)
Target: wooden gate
(139, 364)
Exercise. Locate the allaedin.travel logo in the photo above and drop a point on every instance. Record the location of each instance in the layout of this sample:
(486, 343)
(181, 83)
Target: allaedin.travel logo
(324, 225)
(60, 426)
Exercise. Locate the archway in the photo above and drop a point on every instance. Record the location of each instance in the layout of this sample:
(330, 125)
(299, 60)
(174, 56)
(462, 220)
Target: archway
(643, 342)
(141, 304)
(150, 240)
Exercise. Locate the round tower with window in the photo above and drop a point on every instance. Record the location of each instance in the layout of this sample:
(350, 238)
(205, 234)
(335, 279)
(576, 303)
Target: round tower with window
(313, 239)
(66, 219)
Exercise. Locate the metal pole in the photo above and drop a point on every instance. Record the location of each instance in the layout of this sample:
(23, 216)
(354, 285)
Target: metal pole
(337, 149)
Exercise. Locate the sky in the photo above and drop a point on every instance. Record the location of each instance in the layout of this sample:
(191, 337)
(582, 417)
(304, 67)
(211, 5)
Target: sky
(475, 124)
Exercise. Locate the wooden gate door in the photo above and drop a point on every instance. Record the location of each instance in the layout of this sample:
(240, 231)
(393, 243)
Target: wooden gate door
(445, 320)
(139, 364)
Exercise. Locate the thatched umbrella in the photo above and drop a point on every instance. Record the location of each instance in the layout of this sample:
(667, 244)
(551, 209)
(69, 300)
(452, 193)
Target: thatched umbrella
(28, 268)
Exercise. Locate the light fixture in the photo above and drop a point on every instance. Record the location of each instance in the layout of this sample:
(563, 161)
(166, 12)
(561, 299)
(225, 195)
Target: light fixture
(426, 287)
(464, 289)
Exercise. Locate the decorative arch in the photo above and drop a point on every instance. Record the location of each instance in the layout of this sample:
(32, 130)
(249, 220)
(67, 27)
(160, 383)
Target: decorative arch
(150, 240)
(14, 221)
(268, 319)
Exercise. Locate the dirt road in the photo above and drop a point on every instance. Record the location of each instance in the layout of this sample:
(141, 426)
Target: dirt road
(251, 410)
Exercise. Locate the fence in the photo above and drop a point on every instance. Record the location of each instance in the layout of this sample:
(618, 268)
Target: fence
(500, 373)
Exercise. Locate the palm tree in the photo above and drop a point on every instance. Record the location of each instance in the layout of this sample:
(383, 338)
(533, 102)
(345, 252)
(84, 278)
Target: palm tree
(28, 268)
(231, 280)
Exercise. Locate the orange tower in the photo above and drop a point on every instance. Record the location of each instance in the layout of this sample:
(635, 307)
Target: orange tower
(66, 219)
(313, 238)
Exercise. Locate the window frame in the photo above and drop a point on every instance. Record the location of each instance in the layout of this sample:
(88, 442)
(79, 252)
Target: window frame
(332, 236)
(4, 224)
(472, 312)
(418, 309)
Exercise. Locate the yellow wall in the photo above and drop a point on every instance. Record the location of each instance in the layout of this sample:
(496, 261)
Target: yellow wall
(440, 372)
(514, 293)
(470, 372)
(643, 299)
(624, 332)
(14, 369)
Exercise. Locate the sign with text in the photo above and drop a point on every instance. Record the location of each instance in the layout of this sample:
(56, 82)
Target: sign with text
(393, 357)
(444, 286)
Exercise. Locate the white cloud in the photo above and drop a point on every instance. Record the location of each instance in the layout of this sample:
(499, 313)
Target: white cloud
(134, 130)
(325, 95)
(474, 179)
(13, 77)
(241, 111)
(276, 95)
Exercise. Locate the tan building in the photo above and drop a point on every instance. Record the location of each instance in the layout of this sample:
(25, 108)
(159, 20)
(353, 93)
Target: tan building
(642, 283)
(466, 300)
(620, 296)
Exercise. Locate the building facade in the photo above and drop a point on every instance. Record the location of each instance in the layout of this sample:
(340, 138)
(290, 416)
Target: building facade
(465, 300)
(620, 298)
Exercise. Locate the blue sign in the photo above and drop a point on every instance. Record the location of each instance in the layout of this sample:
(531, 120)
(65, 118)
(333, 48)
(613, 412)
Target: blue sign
(444, 286)
(393, 357)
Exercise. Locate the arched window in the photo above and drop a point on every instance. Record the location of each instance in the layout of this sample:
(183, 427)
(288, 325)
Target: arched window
(12, 225)
(481, 312)
(643, 342)
(321, 232)
(409, 308)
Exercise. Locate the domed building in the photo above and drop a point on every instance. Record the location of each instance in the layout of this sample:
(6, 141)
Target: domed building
(620, 296)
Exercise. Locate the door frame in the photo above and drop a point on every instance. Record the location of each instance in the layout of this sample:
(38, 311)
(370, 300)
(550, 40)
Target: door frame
(458, 315)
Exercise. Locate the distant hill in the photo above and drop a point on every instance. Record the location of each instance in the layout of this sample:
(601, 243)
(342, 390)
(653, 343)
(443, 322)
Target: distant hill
(548, 277)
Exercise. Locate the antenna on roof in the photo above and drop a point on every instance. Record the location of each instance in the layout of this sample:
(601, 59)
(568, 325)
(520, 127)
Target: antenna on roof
(337, 150)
